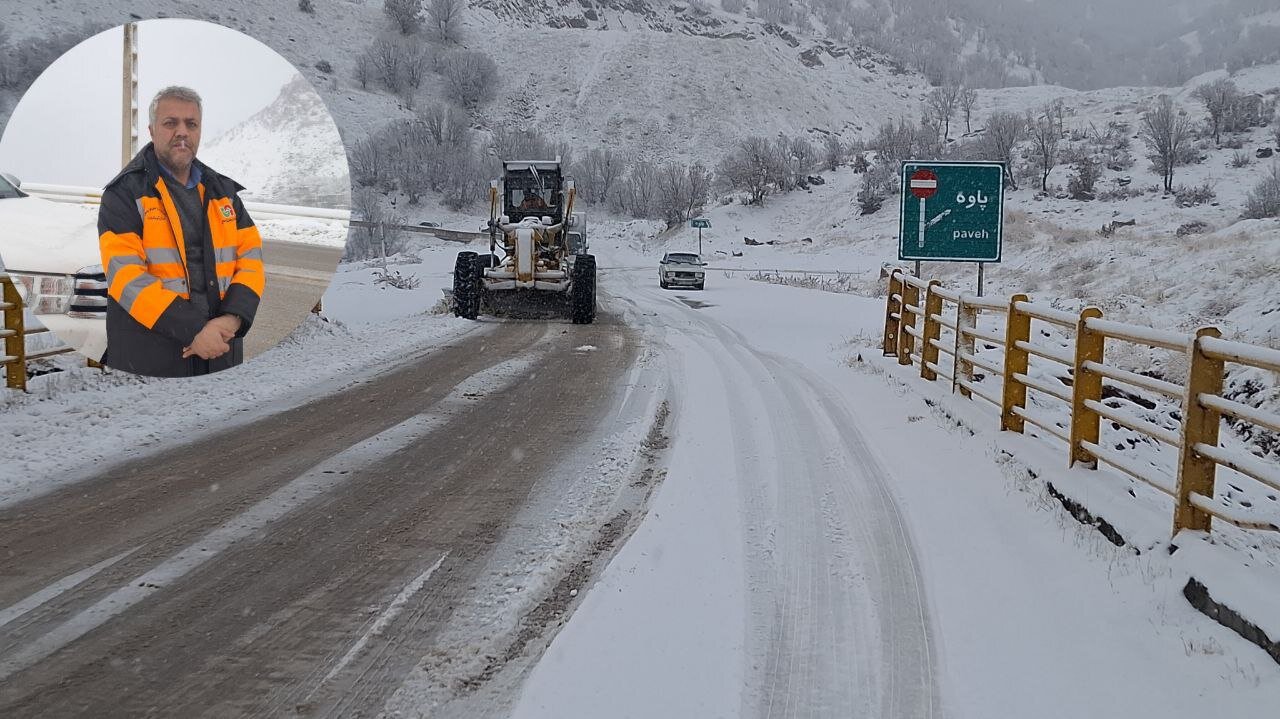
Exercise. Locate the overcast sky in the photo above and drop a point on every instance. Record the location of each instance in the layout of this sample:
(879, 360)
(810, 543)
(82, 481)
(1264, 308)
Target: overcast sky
(66, 128)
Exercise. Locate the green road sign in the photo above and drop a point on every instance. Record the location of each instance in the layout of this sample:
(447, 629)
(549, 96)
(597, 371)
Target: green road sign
(951, 211)
(701, 223)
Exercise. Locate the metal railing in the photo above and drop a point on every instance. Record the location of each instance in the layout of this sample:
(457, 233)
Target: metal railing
(919, 331)
(15, 332)
(12, 330)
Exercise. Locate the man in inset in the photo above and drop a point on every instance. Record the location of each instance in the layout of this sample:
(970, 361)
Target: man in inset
(183, 259)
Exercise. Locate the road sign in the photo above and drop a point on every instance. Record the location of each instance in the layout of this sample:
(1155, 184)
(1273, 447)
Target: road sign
(924, 183)
(700, 223)
(951, 211)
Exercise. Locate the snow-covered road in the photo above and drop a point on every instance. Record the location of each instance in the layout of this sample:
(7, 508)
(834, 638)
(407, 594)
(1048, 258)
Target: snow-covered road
(826, 536)
(825, 543)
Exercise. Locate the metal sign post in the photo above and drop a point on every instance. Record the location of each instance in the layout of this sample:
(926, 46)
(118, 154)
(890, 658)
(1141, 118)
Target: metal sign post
(700, 223)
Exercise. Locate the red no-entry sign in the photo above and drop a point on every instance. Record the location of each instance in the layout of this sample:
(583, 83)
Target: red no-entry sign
(924, 183)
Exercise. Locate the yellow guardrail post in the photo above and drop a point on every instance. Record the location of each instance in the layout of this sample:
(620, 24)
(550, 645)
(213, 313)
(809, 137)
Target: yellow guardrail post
(1199, 425)
(1085, 385)
(966, 319)
(906, 342)
(1017, 329)
(932, 331)
(14, 335)
(892, 307)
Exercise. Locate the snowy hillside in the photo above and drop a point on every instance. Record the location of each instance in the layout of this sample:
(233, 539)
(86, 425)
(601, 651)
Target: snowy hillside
(651, 79)
(669, 84)
(287, 153)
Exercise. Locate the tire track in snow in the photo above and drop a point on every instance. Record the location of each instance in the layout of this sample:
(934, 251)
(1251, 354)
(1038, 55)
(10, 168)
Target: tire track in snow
(833, 574)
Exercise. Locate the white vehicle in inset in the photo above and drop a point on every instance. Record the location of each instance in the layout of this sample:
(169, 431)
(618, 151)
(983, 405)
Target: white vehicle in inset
(681, 269)
(50, 249)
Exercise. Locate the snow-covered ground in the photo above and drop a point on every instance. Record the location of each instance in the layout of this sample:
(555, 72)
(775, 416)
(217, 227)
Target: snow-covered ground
(1025, 605)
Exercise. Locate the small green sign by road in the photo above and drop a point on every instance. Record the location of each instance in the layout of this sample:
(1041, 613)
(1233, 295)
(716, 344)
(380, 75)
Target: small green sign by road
(701, 223)
(951, 211)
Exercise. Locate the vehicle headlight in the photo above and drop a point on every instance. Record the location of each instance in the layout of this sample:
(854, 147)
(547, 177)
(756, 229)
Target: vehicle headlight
(83, 294)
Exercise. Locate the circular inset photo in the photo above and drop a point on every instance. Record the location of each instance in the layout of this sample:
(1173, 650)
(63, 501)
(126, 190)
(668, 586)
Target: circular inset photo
(174, 199)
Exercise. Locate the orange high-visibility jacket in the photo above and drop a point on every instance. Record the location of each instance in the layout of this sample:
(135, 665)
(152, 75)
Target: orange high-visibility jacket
(149, 317)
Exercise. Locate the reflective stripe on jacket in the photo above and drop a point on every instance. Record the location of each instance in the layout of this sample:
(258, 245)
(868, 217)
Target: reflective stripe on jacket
(144, 257)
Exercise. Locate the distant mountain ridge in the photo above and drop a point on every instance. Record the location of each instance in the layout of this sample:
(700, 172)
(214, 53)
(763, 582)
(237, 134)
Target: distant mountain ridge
(289, 152)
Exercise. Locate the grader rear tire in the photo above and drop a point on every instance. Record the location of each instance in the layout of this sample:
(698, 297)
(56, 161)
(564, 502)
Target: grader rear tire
(582, 299)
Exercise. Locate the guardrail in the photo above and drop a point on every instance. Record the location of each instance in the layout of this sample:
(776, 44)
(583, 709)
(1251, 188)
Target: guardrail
(919, 332)
(11, 329)
(93, 196)
(261, 210)
(15, 332)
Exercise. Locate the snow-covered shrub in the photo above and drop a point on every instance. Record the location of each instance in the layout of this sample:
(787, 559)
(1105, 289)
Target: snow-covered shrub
(393, 278)
(1120, 193)
(1264, 198)
(1191, 196)
(870, 197)
(1083, 178)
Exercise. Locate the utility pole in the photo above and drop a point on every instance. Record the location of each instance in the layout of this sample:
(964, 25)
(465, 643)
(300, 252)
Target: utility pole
(129, 103)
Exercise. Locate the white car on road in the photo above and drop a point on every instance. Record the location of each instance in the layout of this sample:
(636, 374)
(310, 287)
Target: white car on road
(682, 269)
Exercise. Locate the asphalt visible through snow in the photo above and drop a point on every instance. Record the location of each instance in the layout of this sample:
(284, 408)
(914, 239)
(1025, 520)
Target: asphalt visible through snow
(297, 276)
(302, 563)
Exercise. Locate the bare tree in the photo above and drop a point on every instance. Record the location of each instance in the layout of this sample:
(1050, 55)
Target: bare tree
(406, 14)
(699, 187)
(470, 76)
(457, 127)
(598, 171)
(750, 167)
(967, 98)
(1218, 97)
(416, 62)
(433, 117)
(775, 11)
(364, 68)
(800, 158)
(445, 19)
(387, 56)
(942, 102)
(1165, 130)
(1264, 199)
(1045, 137)
(894, 143)
(638, 190)
(674, 193)
(378, 240)
(1003, 132)
(833, 153)
(367, 168)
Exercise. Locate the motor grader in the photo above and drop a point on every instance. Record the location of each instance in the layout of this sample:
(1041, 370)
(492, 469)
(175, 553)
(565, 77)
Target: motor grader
(537, 262)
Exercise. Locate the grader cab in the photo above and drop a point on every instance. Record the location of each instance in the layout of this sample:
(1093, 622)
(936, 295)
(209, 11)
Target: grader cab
(537, 259)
